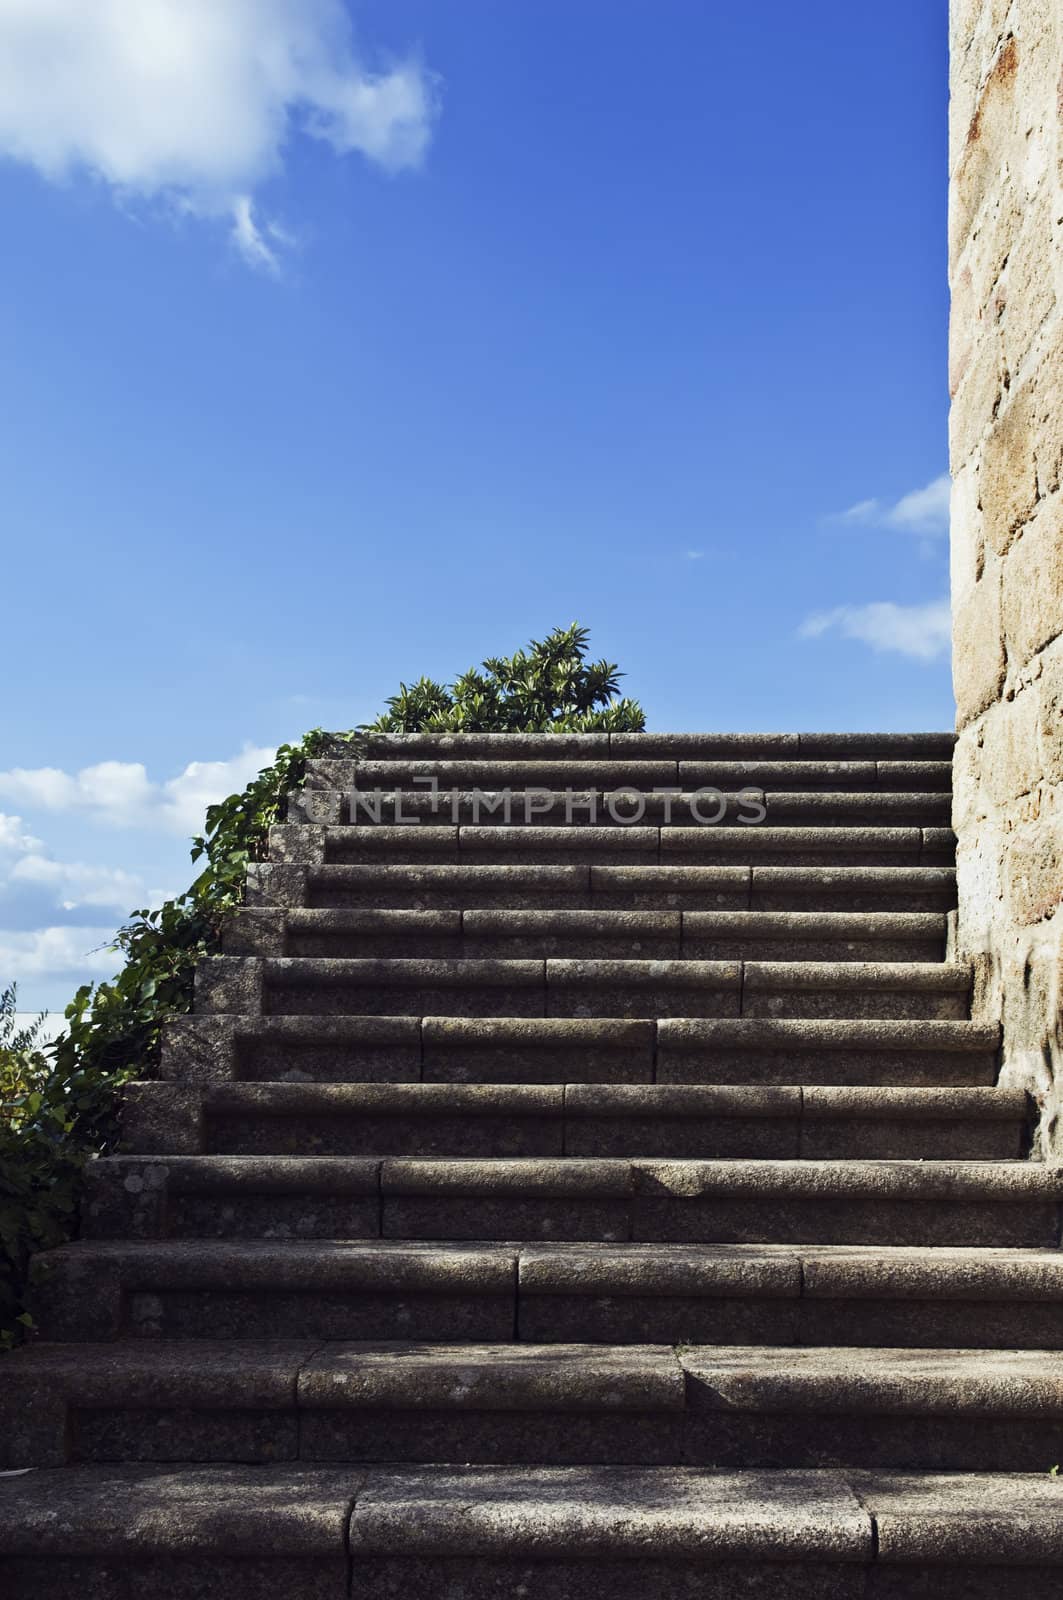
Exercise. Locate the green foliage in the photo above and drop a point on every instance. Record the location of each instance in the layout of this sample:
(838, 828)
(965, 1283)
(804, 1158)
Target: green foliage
(548, 688)
(40, 1161)
(60, 1101)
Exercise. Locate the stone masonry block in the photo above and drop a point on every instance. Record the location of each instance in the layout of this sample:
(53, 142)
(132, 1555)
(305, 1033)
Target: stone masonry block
(1033, 583)
(980, 151)
(302, 846)
(1033, 869)
(198, 1050)
(126, 1199)
(1010, 763)
(1008, 487)
(976, 28)
(255, 931)
(1024, 295)
(1050, 694)
(979, 664)
(230, 984)
(978, 383)
(967, 550)
(316, 807)
(969, 796)
(75, 1298)
(270, 883)
(162, 1119)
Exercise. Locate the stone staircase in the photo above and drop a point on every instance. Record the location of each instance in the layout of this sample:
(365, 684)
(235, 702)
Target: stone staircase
(610, 1197)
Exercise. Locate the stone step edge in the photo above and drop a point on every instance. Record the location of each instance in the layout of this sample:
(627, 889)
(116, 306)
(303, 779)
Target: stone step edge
(205, 1049)
(44, 1383)
(709, 809)
(845, 775)
(625, 806)
(625, 1269)
(313, 844)
(603, 878)
(511, 1517)
(236, 985)
(831, 746)
(170, 1119)
(262, 931)
(149, 1178)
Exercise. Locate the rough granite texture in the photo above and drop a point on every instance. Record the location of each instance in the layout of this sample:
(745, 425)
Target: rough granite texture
(1006, 372)
(756, 1287)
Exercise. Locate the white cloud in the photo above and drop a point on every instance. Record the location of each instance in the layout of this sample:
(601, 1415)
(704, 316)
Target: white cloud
(122, 794)
(922, 632)
(924, 511)
(193, 102)
(12, 837)
(74, 884)
(57, 952)
(694, 555)
(203, 783)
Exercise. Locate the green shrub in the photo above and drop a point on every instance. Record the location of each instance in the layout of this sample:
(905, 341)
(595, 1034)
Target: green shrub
(60, 1103)
(548, 688)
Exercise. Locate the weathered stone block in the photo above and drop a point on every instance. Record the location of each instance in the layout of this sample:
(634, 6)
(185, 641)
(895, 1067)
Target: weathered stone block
(981, 150)
(979, 382)
(228, 985)
(162, 1119)
(1033, 584)
(1033, 870)
(1050, 697)
(198, 1050)
(1009, 757)
(1007, 483)
(1024, 295)
(979, 664)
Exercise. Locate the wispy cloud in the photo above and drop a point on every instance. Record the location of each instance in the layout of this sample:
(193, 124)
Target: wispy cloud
(74, 884)
(57, 953)
(33, 879)
(13, 837)
(193, 102)
(924, 511)
(921, 632)
(121, 793)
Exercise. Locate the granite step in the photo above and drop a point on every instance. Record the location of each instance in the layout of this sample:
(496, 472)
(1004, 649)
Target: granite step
(729, 1201)
(906, 1297)
(489, 987)
(477, 1120)
(589, 1532)
(237, 1400)
(574, 1532)
(854, 1051)
(653, 1405)
(705, 807)
(460, 886)
(280, 1288)
(654, 746)
(605, 773)
(701, 935)
(558, 1292)
(317, 844)
(201, 1050)
(606, 1199)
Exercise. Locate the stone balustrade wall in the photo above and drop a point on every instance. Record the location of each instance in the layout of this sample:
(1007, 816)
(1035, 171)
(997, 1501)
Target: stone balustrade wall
(1006, 438)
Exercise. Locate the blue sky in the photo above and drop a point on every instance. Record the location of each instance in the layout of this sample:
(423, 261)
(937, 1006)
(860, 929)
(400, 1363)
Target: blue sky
(345, 343)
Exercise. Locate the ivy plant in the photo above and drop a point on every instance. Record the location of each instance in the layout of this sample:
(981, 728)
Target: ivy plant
(59, 1101)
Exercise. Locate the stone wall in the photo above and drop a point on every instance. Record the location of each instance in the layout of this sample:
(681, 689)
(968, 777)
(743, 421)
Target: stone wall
(1006, 436)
